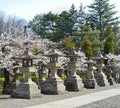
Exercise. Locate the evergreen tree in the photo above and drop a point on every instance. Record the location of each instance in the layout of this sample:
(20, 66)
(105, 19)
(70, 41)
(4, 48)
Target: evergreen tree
(44, 25)
(87, 47)
(81, 20)
(64, 25)
(93, 35)
(82, 15)
(37, 25)
(73, 15)
(109, 43)
(68, 43)
(50, 25)
(101, 15)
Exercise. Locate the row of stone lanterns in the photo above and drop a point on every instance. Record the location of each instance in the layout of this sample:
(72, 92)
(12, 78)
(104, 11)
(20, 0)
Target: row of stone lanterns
(54, 84)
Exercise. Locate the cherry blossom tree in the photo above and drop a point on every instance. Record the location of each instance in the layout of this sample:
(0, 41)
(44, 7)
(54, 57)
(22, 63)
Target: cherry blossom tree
(13, 47)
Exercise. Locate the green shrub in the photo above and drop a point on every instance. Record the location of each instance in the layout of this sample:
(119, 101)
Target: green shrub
(46, 77)
(2, 81)
(21, 78)
(83, 78)
(1, 84)
(34, 78)
(64, 77)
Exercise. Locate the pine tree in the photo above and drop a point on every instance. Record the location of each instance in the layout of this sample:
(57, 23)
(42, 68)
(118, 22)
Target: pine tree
(101, 15)
(93, 36)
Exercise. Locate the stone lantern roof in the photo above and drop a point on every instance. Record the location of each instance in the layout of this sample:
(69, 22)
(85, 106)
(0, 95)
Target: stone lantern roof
(99, 56)
(89, 62)
(53, 52)
(82, 54)
(110, 56)
(73, 53)
(25, 55)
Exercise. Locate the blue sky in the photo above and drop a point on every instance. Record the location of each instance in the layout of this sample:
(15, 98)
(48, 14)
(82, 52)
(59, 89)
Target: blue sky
(27, 9)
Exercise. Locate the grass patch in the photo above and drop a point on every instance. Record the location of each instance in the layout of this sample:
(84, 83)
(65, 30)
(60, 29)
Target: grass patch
(1, 84)
(64, 77)
(34, 78)
(1, 89)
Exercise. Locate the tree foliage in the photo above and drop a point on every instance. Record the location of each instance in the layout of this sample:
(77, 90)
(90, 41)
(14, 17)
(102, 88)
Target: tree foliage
(44, 25)
(109, 43)
(101, 14)
(87, 47)
(79, 23)
(68, 43)
(56, 26)
(94, 36)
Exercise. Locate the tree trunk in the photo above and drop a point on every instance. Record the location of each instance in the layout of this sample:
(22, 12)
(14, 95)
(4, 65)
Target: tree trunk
(7, 79)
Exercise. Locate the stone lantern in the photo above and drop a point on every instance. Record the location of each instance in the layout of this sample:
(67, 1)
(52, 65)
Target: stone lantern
(53, 64)
(27, 89)
(100, 76)
(53, 84)
(90, 79)
(109, 72)
(73, 81)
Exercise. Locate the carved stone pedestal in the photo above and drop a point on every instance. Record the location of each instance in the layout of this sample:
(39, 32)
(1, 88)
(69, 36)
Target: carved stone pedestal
(73, 83)
(89, 83)
(101, 79)
(52, 86)
(26, 90)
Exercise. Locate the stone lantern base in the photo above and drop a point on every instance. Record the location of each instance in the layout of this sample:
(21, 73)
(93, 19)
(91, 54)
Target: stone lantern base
(89, 83)
(9, 88)
(26, 90)
(73, 83)
(52, 86)
(111, 80)
(101, 79)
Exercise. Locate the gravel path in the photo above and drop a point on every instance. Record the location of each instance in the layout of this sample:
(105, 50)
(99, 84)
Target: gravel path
(7, 102)
(113, 102)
